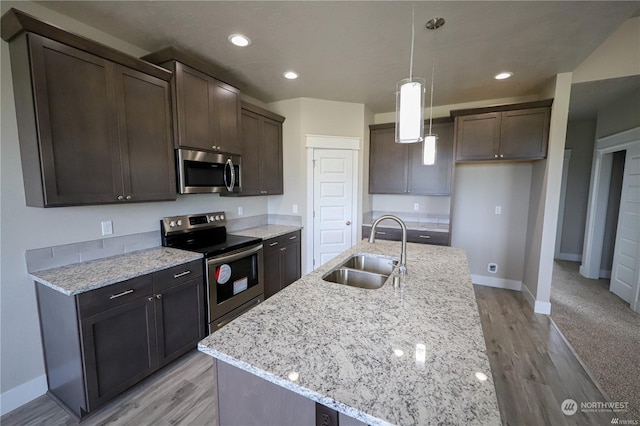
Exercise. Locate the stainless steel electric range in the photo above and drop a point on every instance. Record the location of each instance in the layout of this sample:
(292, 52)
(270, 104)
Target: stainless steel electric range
(233, 264)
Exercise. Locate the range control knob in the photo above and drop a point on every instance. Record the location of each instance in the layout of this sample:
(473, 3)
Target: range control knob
(211, 219)
(172, 224)
(221, 217)
(179, 223)
(217, 217)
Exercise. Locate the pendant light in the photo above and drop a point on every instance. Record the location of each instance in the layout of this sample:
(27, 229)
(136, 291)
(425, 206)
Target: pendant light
(430, 141)
(410, 102)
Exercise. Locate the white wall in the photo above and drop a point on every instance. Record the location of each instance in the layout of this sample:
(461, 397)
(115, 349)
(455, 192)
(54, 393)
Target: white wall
(544, 203)
(23, 228)
(620, 115)
(486, 236)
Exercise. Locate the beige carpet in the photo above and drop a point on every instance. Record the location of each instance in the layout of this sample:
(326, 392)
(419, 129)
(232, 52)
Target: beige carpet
(602, 329)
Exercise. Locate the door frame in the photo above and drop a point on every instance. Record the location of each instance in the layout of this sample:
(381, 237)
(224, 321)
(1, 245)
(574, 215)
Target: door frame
(598, 196)
(314, 142)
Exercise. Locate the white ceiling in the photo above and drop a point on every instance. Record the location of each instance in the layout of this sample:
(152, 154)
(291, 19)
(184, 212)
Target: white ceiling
(357, 51)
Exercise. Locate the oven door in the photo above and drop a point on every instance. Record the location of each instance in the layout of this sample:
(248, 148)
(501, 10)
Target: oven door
(202, 172)
(234, 279)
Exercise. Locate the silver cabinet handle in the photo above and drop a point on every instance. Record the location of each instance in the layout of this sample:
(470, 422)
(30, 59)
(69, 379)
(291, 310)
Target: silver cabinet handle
(348, 222)
(158, 296)
(128, 197)
(273, 244)
(495, 156)
(150, 299)
(501, 156)
(381, 233)
(425, 236)
(293, 238)
(120, 198)
(181, 274)
(124, 293)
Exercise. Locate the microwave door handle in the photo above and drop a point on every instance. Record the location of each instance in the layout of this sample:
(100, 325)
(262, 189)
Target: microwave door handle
(229, 186)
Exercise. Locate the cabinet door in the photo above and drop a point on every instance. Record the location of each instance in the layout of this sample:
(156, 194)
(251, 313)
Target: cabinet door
(434, 179)
(250, 141)
(119, 349)
(145, 136)
(272, 274)
(271, 156)
(180, 319)
(387, 163)
(290, 259)
(524, 133)
(194, 108)
(226, 116)
(77, 124)
(477, 136)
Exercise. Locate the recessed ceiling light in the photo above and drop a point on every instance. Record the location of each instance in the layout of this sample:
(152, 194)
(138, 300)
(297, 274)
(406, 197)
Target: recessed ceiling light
(291, 75)
(239, 40)
(503, 75)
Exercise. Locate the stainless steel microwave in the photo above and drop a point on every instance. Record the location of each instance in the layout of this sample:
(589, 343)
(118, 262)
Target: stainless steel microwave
(206, 171)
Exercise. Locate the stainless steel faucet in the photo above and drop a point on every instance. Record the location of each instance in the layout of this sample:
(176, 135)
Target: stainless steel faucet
(403, 256)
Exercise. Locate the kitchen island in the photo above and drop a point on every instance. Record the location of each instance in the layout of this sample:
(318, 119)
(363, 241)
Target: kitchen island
(408, 356)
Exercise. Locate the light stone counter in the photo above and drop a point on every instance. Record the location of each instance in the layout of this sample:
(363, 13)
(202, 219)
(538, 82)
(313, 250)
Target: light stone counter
(354, 350)
(412, 225)
(266, 231)
(80, 277)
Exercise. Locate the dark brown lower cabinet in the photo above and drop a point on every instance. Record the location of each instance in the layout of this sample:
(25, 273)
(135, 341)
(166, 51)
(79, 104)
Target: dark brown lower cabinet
(99, 343)
(413, 236)
(281, 262)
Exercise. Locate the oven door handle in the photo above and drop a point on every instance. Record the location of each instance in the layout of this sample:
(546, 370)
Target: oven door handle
(235, 256)
(231, 185)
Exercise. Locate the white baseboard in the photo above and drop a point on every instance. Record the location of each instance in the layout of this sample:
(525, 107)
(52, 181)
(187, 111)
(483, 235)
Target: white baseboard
(605, 274)
(496, 282)
(538, 306)
(20, 395)
(572, 257)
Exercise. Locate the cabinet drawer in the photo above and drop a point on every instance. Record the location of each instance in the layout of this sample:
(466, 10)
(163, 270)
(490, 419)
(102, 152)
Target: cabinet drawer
(392, 234)
(177, 275)
(108, 297)
(428, 237)
(282, 240)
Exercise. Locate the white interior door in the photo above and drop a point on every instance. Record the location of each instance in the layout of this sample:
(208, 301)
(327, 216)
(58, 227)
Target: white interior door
(624, 275)
(332, 203)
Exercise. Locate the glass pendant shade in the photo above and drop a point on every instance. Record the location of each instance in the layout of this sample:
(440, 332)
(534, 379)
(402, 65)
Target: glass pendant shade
(410, 110)
(429, 150)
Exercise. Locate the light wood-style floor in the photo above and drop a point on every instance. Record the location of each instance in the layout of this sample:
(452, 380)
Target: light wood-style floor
(533, 369)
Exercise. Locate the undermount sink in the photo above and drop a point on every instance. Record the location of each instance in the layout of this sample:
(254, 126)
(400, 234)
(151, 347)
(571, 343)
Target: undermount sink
(363, 271)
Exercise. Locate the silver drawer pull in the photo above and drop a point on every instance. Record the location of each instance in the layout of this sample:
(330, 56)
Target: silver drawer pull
(293, 238)
(273, 244)
(425, 236)
(181, 274)
(124, 293)
(381, 233)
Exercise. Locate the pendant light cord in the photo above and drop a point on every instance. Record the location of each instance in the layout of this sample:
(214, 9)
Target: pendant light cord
(433, 73)
(413, 32)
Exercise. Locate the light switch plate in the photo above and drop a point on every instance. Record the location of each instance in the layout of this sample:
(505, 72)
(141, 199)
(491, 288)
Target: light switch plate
(294, 209)
(107, 227)
(416, 207)
(240, 211)
(498, 209)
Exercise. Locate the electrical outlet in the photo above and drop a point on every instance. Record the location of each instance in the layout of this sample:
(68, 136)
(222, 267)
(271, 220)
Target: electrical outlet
(240, 211)
(498, 209)
(294, 209)
(107, 227)
(492, 267)
(416, 207)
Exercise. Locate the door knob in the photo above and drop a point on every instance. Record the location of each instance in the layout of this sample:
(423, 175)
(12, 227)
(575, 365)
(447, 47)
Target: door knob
(348, 222)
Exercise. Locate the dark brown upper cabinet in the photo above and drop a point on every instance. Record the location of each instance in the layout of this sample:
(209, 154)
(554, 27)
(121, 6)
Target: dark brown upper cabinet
(505, 132)
(397, 168)
(206, 110)
(94, 124)
(261, 145)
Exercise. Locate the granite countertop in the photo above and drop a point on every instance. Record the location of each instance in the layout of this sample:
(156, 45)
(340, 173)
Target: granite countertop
(267, 231)
(355, 350)
(85, 276)
(412, 225)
